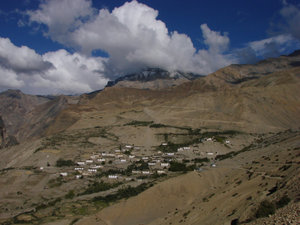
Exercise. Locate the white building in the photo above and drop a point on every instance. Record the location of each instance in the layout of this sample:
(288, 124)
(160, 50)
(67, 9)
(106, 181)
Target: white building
(78, 168)
(164, 164)
(112, 176)
(96, 166)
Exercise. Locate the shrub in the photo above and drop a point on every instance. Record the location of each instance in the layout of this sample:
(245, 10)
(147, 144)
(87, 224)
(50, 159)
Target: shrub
(62, 162)
(70, 194)
(283, 201)
(200, 160)
(177, 166)
(265, 209)
(139, 123)
(124, 192)
(98, 187)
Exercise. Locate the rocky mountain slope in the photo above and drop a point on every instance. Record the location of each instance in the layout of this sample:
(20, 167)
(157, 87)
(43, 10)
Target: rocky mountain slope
(28, 116)
(254, 107)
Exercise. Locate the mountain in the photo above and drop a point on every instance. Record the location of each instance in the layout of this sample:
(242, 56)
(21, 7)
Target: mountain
(153, 78)
(231, 140)
(28, 116)
(6, 140)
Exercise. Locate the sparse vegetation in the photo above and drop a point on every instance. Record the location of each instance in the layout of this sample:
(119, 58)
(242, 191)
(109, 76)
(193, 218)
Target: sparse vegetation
(265, 209)
(98, 187)
(77, 137)
(62, 163)
(180, 167)
(70, 195)
(201, 160)
(56, 182)
(124, 192)
(139, 123)
(283, 201)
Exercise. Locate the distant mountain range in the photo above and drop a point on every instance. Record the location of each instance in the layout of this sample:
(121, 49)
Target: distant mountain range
(27, 116)
(241, 125)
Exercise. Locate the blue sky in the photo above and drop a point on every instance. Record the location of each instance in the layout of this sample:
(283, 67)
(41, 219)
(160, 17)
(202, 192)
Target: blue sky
(76, 46)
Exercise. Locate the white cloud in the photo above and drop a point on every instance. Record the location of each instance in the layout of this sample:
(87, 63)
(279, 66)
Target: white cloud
(23, 68)
(61, 16)
(21, 59)
(267, 48)
(9, 79)
(271, 47)
(74, 73)
(134, 39)
(285, 37)
(132, 36)
(214, 40)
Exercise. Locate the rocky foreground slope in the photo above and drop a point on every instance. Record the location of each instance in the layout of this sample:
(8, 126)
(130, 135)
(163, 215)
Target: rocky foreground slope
(241, 125)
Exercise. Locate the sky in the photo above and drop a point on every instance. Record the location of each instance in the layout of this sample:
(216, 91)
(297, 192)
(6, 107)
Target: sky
(77, 46)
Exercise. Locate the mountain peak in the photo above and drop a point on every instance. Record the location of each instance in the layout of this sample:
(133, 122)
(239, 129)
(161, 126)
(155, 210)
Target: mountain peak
(153, 78)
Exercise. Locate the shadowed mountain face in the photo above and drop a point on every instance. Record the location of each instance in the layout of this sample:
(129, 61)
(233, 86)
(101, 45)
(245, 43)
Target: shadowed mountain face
(14, 106)
(6, 140)
(28, 116)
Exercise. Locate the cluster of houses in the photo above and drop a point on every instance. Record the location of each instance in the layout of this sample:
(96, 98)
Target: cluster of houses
(114, 163)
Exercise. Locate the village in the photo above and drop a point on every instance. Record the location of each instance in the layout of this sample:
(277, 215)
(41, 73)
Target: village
(133, 163)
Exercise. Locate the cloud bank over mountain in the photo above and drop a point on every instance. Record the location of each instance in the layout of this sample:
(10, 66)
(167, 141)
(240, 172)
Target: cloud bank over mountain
(133, 38)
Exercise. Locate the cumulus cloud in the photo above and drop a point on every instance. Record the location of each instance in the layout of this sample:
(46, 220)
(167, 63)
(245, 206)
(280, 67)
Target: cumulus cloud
(61, 17)
(132, 36)
(214, 40)
(56, 72)
(21, 59)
